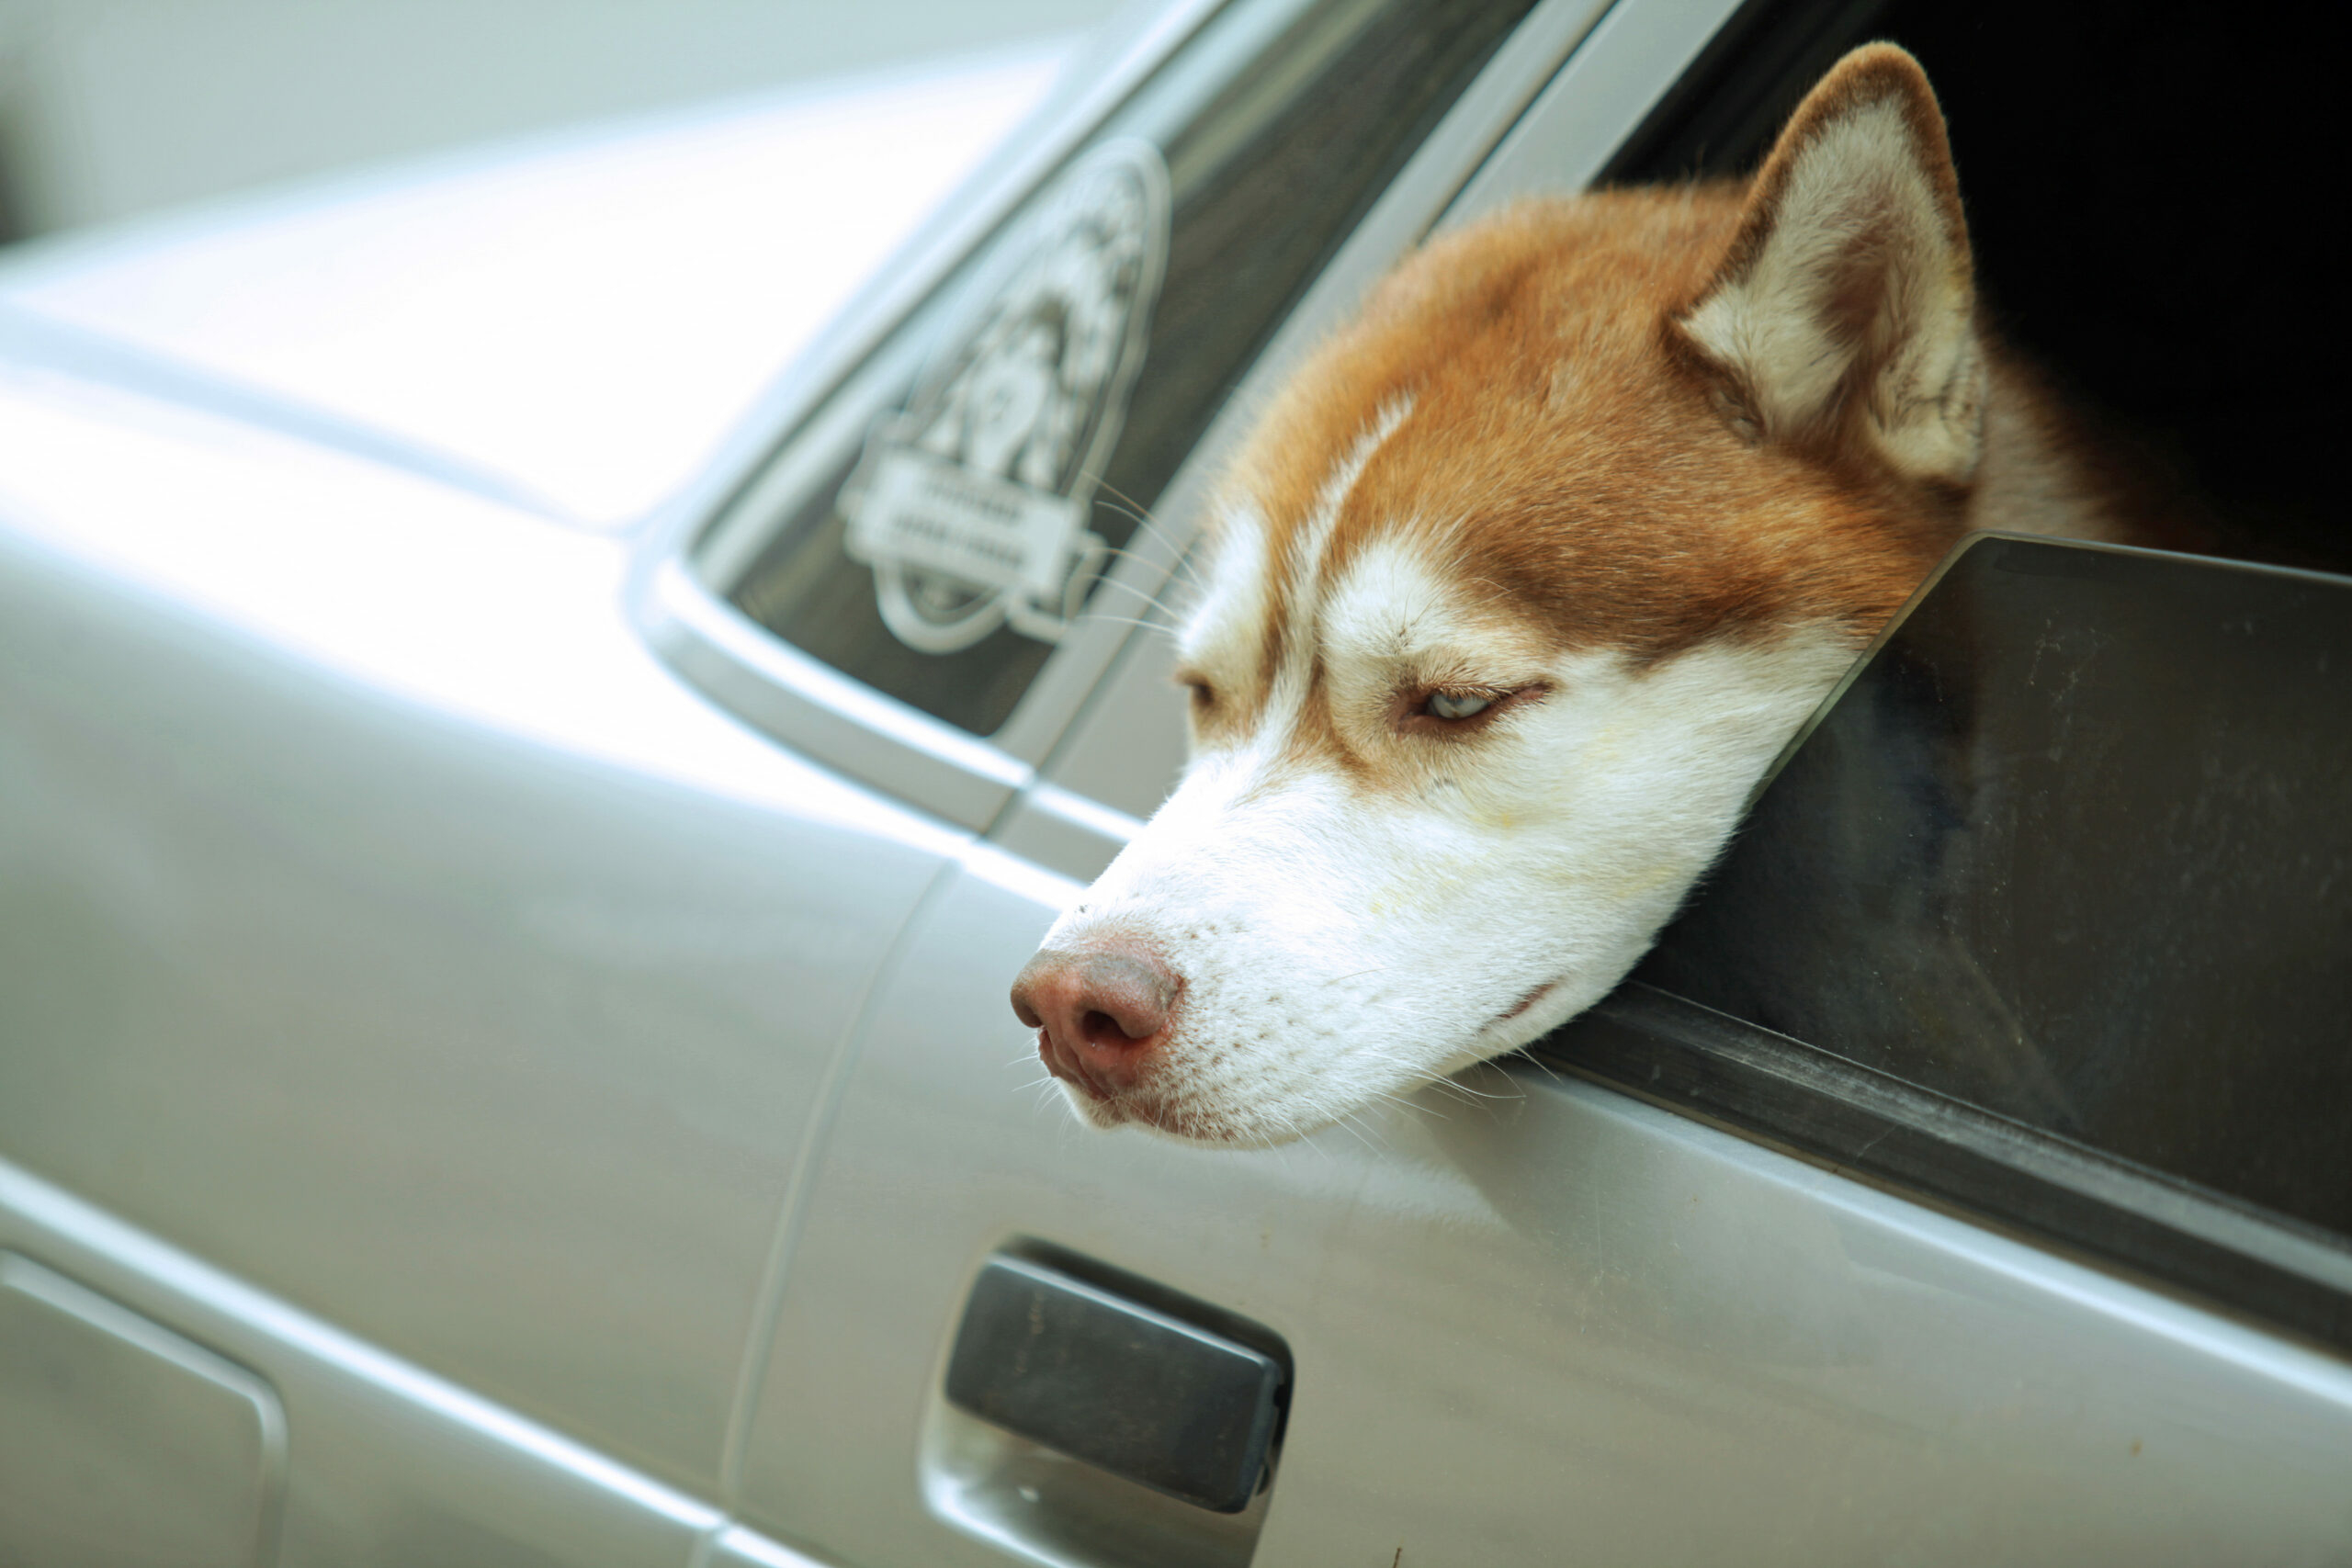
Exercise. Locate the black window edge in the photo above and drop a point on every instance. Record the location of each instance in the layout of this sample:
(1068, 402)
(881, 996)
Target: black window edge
(1778, 1091)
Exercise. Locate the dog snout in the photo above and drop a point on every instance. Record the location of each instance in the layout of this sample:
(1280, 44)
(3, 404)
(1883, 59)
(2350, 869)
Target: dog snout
(1098, 1014)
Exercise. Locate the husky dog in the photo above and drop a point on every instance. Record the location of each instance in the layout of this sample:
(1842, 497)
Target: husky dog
(1522, 584)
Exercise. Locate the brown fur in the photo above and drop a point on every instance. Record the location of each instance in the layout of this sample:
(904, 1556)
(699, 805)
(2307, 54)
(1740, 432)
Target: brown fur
(1571, 451)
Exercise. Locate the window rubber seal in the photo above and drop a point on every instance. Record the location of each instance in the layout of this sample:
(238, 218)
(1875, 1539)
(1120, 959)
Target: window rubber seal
(1863, 1123)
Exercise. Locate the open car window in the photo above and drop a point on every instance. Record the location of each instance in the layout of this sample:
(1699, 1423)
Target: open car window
(2047, 916)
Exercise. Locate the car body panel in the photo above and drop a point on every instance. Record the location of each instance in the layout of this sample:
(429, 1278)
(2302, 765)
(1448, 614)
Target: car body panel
(585, 1113)
(189, 1450)
(388, 1463)
(366, 976)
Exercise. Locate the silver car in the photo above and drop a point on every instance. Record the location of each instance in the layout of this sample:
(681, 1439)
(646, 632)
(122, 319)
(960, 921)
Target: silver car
(517, 824)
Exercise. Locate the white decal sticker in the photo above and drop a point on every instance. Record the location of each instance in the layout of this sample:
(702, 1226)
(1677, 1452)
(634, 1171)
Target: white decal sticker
(971, 502)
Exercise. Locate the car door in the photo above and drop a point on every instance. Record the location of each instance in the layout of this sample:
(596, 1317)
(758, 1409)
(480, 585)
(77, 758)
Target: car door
(355, 969)
(1530, 1316)
(412, 994)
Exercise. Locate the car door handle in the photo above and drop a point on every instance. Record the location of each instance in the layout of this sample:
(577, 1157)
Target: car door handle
(1120, 1385)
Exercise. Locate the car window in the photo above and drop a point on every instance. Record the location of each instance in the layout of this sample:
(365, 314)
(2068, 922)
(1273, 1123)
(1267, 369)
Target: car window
(956, 500)
(2047, 918)
(2046, 915)
(2071, 849)
(2078, 857)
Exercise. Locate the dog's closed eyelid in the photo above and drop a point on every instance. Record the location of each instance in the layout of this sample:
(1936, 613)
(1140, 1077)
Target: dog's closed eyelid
(1458, 710)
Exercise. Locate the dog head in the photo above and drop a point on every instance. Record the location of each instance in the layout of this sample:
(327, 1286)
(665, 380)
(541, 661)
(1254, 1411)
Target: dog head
(1515, 592)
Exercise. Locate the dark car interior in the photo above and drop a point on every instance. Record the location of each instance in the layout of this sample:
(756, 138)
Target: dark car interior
(2150, 193)
(2045, 917)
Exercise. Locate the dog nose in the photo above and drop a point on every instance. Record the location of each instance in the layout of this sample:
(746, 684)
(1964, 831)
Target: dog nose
(1099, 1013)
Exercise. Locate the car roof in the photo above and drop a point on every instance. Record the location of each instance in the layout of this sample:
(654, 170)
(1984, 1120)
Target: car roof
(575, 322)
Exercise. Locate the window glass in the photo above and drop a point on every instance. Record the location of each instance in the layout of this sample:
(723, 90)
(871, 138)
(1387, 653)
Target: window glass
(2073, 849)
(961, 493)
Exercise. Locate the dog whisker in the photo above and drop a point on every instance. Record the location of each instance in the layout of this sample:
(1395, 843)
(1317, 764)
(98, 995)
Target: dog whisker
(1135, 509)
(1350, 1121)
(1515, 1092)
(1162, 627)
(1407, 1103)
(1151, 599)
(1529, 1058)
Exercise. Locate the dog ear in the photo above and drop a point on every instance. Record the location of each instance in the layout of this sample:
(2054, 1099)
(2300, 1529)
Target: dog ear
(1845, 307)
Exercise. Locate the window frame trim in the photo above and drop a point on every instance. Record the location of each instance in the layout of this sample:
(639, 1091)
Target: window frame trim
(1987, 1170)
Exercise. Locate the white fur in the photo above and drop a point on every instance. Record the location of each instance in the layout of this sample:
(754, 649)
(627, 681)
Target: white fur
(1344, 937)
(1224, 629)
(1308, 544)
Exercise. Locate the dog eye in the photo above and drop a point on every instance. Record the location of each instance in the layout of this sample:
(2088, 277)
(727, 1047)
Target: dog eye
(1456, 705)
